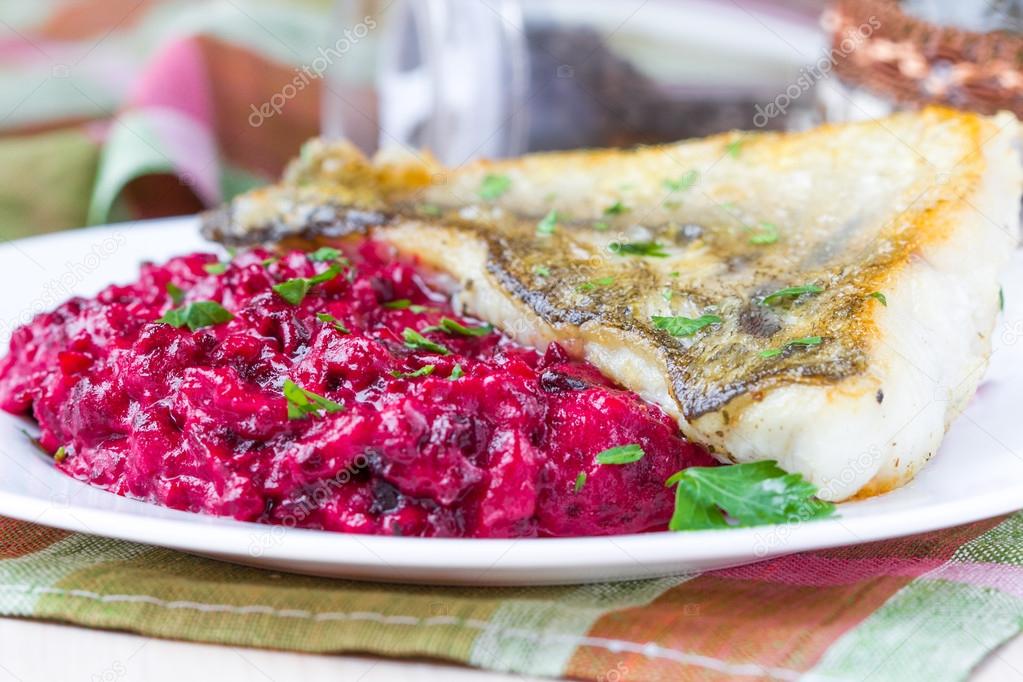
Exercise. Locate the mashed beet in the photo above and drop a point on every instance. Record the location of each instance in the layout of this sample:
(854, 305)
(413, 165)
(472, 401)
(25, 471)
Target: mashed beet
(392, 435)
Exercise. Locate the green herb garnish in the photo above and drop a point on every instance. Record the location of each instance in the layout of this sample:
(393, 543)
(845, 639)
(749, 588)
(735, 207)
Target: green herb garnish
(623, 454)
(176, 293)
(455, 328)
(303, 403)
(325, 254)
(60, 455)
(1001, 298)
(791, 292)
(880, 297)
(751, 494)
(327, 318)
(580, 481)
(425, 370)
(767, 234)
(542, 271)
(415, 340)
(685, 182)
(267, 262)
(684, 326)
(405, 304)
(294, 290)
(429, 209)
(594, 283)
(667, 295)
(734, 148)
(196, 315)
(217, 268)
(456, 373)
(548, 223)
(617, 208)
(493, 186)
(601, 225)
(650, 249)
(804, 342)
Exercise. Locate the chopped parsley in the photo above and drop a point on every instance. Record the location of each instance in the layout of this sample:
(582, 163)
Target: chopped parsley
(617, 208)
(456, 373)
(880, 297)
(649, 249)
(804, 342)
(542, 271)
(456, 328)
(766, 234)
(684, 326)
(196, 315)
(667, 295)
(734, 148)
(294, 290)
(749, 494)
(217, 268)
(417, 341)
(580, 481)
(548, 223)
(176, 293)
(623, 454)
(327, 318)
(303, 403)
(429, 209)
(493, 186)
(60, 455)
(267, 262)
(601, 225)
(325, 254)
(1001, 298)
(405, 304)
(594, 283)
(424, 371)
(791, 292)
(685, 182)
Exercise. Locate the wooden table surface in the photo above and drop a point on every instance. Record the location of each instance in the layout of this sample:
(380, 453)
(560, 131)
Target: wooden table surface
(32, 651)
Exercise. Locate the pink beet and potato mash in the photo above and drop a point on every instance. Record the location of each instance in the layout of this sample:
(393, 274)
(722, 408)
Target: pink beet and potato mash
(353, 399)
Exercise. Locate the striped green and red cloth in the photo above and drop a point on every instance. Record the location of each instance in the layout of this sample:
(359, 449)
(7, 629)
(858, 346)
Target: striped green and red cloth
(926, 607)
(115, 108)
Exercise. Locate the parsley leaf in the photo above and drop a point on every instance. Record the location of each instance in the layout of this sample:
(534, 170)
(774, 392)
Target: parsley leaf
(880, 297)
(196, 315)
(60, 455)
(327, 318)
(685, 182)
(217, 268)
(791, 292)
(548, 223)
(684, 326)
(454, 328)
(493, 186)
(456, 373)
(623, 454)
(651, 249)
(542, 271)
(751, 494)
(594, 283)
(805, 341)
(580, 481)
(601, 225)
(425, 370)
(405, 304)
(734, 148)
(417, 341)
(294, 290)
(303, 403)
(767, 234)
(617, 208)
(430, 209)
(325, 254)
(1001, 298)
(176, 293)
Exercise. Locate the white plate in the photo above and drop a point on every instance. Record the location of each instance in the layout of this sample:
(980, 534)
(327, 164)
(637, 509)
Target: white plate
(976, 474)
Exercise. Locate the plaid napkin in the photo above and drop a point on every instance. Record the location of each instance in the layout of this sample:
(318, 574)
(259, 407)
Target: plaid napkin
(925, 607)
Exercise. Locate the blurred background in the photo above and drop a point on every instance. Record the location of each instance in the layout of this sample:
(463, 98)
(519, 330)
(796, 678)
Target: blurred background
(127, 109)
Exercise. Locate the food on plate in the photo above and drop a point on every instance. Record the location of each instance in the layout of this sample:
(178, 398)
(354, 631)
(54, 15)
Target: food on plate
(823, 299)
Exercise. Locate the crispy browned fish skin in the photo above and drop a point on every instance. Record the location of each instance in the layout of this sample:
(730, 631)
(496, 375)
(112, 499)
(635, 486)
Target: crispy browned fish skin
(714, 266)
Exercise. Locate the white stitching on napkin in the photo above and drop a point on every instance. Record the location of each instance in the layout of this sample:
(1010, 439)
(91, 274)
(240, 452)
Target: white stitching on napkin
(650, 649)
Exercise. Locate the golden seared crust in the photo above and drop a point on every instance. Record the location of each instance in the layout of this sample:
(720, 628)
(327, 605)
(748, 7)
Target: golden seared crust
(710, 227)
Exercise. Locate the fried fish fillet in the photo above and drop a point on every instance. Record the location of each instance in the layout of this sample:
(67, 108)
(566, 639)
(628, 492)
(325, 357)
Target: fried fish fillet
(823, 298)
